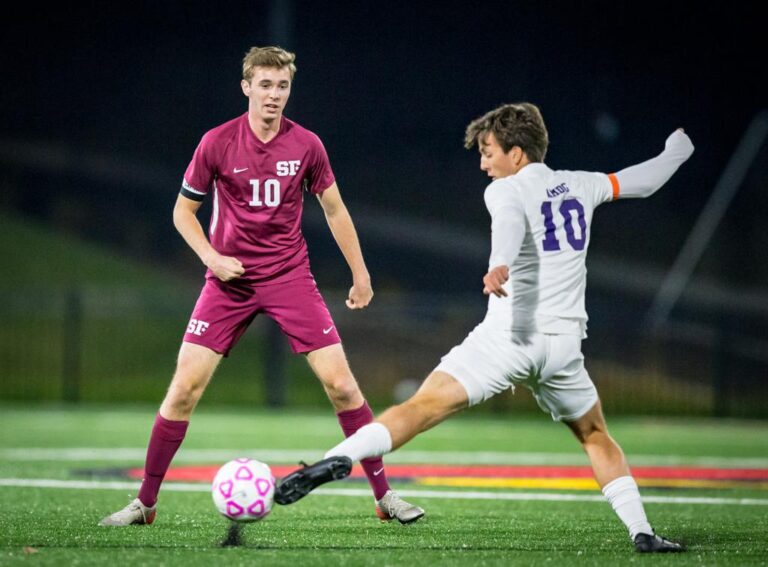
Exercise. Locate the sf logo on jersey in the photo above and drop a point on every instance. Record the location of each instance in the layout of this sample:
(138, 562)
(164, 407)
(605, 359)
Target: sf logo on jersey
(285, 168)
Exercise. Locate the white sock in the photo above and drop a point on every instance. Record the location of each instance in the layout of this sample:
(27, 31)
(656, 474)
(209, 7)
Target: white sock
(372, 440)
(624, 497)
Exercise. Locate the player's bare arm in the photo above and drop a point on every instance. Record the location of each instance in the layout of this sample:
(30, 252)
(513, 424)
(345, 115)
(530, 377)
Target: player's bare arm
(343, 230)
(494, 280)
(185, 220)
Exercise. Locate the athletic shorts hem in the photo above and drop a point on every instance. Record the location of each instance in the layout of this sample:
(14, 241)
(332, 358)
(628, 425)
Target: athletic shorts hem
(578, 414)
(462, 376)
(303, 349)
(202, 342)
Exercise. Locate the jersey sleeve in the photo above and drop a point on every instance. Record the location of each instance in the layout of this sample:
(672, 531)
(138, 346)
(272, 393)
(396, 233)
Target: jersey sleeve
(600, 186)
(508, 223)
(319, 174)
(200, 172)
(644, 179)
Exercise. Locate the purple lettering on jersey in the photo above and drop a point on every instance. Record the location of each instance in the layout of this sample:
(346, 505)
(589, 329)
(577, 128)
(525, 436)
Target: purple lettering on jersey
(566, 207)
(258, 194)
(559, 190)
(550, 242)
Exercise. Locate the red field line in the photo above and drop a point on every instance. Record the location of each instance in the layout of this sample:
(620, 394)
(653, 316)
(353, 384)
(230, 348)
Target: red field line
(205, 473)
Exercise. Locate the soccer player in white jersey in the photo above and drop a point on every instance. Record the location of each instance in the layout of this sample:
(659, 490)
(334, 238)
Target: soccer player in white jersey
(258, 167)
(532, 332)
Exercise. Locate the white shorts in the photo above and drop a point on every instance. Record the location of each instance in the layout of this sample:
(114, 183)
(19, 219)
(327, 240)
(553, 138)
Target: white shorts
(492, 359)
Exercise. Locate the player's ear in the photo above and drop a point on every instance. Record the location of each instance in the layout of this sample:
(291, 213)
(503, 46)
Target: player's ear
(246, 86)
(522, 156)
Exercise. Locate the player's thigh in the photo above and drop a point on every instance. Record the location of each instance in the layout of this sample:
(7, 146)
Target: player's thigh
(563, 387)
(491, 360)
(330, 364)
(439, 397)
(300, 311)
(221, 315)
(195, 366)
(443, 393)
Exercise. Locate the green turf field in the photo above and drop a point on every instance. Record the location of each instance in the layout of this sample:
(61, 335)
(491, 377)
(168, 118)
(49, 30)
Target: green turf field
(74, 450)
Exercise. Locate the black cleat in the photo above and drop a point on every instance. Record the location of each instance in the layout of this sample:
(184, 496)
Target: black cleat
(646, 543)
(301, 482)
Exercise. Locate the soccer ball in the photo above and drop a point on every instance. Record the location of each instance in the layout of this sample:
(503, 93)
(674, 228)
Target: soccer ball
(244, 490)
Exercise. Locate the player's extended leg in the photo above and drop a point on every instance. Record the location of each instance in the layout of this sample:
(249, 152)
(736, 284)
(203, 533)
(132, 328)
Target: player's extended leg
(331, 367)
(439, 397)
(194, 369)
(612, 474)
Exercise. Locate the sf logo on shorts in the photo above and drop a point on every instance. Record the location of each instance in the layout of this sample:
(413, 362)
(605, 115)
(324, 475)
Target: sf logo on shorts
(197, 327)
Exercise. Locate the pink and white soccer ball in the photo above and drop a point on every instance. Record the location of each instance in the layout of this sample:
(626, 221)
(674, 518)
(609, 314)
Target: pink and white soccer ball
(244, 490)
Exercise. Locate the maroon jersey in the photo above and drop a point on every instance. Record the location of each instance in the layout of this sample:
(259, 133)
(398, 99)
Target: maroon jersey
(258, 195)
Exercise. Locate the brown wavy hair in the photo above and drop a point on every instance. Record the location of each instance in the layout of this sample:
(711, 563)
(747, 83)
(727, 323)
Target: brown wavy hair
(519, 124)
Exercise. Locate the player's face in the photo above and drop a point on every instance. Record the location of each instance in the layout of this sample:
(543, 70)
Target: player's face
(268, 92)
(494, 161)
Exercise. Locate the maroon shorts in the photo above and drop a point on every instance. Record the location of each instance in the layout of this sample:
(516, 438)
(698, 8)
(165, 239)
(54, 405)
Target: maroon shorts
(224, 310)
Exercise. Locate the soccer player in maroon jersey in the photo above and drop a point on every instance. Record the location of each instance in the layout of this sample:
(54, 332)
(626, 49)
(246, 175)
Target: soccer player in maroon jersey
(258, 167)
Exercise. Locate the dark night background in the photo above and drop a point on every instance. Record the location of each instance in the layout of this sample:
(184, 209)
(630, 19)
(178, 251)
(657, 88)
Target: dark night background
(102, 105)
(389, 87)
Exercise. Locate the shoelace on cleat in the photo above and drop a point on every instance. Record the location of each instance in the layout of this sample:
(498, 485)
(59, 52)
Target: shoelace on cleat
(395, 506)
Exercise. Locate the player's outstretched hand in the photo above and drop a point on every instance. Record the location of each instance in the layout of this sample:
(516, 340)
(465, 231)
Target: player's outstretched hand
(680, 140)
(226, 267)
(494, 280)
(360, 295)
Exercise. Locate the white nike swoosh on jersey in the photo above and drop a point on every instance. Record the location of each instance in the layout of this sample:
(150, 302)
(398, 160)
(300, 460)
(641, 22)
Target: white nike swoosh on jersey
(240, 170)
(378, 472)
(328, 330)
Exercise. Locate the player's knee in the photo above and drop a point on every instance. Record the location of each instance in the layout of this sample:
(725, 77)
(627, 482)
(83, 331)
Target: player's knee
(588, 431)
(186, 387)
(342, 388)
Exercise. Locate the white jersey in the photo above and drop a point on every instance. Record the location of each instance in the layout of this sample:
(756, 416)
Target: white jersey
(540, 228)
(540, 224)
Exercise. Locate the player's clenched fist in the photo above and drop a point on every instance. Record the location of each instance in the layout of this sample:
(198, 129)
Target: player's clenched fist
(494, 280)
(225, 267)
(360, 295)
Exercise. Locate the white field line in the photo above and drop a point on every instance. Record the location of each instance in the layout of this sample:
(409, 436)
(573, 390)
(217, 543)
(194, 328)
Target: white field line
(359, 492)
(137, 454)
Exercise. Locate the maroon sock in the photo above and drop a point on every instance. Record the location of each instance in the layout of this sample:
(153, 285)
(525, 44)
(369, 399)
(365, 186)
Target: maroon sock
(165, 440)
(351, 421)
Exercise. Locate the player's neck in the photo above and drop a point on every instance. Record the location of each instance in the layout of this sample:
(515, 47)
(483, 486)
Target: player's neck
(262, 129)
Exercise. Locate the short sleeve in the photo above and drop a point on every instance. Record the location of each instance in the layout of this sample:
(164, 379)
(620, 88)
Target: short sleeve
(200, 173)
(319, 174)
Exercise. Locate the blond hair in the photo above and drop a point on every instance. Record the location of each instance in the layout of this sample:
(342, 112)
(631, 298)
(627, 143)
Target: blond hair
(512, 125)
(275, 57)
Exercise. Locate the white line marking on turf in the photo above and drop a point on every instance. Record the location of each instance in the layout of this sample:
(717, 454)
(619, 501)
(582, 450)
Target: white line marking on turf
(404, 456)
(447, 495)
